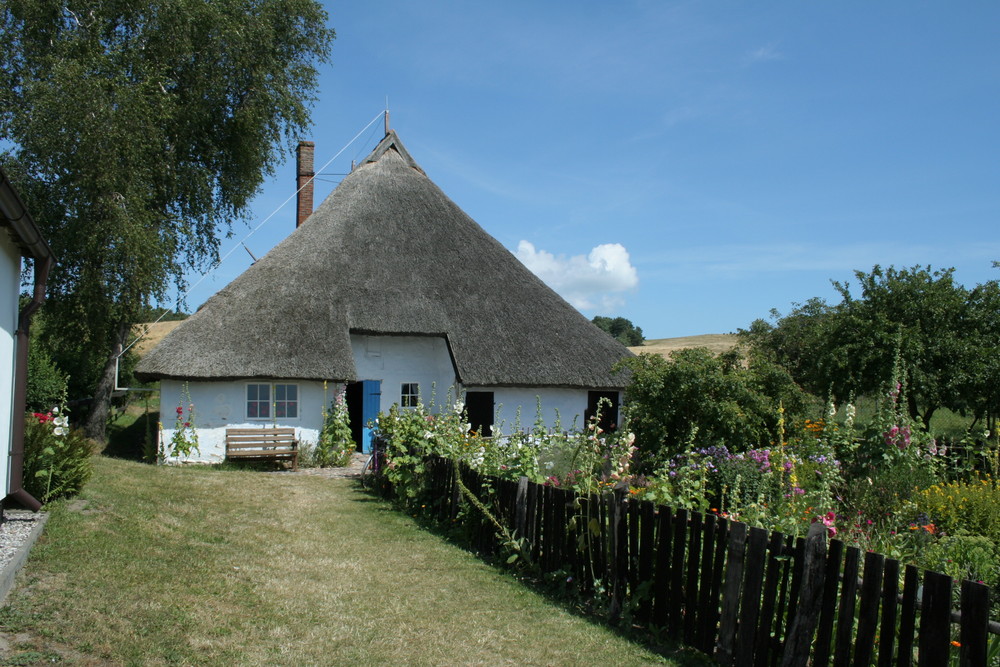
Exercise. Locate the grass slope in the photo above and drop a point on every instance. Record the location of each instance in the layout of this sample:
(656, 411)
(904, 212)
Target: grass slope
(664, 346)
(158, 566)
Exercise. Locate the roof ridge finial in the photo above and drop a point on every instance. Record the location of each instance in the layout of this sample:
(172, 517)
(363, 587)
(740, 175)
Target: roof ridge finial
(387, 116)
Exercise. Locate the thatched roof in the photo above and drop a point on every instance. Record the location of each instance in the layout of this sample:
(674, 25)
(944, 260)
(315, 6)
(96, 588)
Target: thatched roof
(388, 253)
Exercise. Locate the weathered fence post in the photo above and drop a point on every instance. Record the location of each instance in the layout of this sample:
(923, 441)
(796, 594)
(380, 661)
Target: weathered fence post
(802, 627)
(521, 509)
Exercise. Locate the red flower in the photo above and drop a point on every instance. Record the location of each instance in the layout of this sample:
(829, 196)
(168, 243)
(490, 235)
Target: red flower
(41, 417)
(180, 411)
(187, 424)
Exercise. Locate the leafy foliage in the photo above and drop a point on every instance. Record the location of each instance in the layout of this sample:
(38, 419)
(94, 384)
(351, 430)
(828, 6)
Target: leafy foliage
(335, 445)
(185, 437)
(620, 329)
(695, 399)
(946, 337)
(57, 460)
(46, 385)
(137, 129)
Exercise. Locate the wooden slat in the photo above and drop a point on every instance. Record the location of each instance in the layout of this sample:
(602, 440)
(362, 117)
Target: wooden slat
(868, 609)
(793, 555)
(845, 613)
(731, 592)
(708, 608)
(975, 624)
(677, 597)
(647, 549)
(753, 584)
(691, 612)
(769, 598)
(908, 616)
(828, 611)
(802, 624)
(890, 612)
(935, 620)
(718, 568)
(662, 575)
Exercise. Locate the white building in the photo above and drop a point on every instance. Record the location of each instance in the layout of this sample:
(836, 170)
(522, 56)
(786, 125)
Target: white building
(19, 238)
(391, 291)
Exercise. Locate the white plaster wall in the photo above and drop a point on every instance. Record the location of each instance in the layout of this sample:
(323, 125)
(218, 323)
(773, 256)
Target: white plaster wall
(10, 281)
(404, 359)
(222, 405)
(559, 407)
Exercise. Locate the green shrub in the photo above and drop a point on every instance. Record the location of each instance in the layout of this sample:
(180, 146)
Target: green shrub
(335, 446)
(46, 383)
(965, 557)
(57, 459)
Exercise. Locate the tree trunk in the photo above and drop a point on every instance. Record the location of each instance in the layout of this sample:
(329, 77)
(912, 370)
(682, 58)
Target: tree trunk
(96, 424)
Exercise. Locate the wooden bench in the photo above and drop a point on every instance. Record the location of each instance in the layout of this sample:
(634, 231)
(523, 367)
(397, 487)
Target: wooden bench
(263, 444)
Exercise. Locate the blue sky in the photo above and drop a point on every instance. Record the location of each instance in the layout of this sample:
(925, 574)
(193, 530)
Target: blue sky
(687, 165)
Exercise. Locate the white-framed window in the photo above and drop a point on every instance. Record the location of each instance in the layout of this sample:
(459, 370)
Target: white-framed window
(270, 400)
(409, 395)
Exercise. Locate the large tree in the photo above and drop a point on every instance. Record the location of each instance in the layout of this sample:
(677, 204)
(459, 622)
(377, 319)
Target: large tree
(140, 129)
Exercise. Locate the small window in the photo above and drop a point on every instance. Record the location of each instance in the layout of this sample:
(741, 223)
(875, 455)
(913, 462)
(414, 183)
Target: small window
(258, 401)
(286, 401)
(409, 395)
(284, 398)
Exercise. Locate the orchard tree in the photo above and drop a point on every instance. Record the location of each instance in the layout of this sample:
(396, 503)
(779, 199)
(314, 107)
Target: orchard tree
(940, 335)
(138, 129)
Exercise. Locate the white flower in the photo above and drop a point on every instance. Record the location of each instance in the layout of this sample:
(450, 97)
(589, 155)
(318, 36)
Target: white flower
(55, 410)
(59, 430)
(61, 421)
(428, 435)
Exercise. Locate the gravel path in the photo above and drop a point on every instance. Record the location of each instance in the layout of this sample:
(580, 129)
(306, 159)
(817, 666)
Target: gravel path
(351, 470)
(14, 531)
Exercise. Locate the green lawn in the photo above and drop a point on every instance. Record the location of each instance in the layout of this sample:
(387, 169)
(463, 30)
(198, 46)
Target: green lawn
(157, 566)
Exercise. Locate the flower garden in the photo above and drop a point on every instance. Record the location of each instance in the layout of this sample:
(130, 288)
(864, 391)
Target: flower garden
(885, 485)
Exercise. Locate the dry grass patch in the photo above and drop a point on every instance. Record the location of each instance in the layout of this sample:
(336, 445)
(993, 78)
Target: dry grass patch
(213, 567)
(152, 333)
(717, 343)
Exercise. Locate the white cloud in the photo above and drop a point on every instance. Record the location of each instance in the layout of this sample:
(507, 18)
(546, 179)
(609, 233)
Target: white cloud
(589, 282)
(762, 54)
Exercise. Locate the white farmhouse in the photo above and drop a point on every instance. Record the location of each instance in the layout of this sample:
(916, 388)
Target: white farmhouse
(388, 290)
(19, 238)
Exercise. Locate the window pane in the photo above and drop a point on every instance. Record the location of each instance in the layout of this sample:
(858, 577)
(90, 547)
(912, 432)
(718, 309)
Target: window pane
(279, 409)
(279, 392)
(251, 410)
(265, 410)
(264, 392)
(293, 410)
(251, 392)
(292, 392)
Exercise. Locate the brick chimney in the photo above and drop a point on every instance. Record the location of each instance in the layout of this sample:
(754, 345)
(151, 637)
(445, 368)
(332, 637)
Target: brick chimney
(304, 181)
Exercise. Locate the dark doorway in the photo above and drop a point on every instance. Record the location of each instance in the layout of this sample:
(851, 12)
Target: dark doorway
(480, 410)
(363, 404)
(609, 409)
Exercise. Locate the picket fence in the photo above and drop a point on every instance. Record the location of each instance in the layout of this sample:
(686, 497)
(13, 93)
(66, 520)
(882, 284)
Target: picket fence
(739, 594)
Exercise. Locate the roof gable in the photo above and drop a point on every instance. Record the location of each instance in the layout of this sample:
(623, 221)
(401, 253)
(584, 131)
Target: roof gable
(388, 253)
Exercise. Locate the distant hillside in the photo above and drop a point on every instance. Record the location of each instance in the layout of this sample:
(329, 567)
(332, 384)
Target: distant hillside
(157, 331)
(715, 342)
